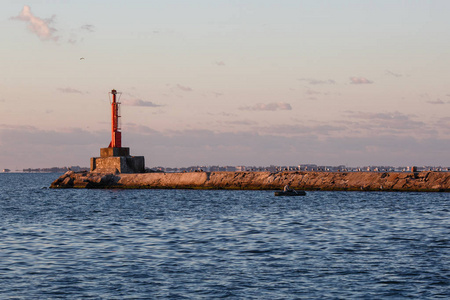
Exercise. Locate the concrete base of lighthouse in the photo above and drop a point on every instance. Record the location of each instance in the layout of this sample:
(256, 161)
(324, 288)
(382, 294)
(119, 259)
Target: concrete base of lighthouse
(117, 160)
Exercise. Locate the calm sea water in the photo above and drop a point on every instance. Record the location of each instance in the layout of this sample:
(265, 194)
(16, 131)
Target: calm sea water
(186, 244)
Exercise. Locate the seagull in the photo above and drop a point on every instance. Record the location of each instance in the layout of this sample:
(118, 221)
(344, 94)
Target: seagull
(81, 58)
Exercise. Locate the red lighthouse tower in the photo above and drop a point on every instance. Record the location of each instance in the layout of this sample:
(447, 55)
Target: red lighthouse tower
(116, 134)
(115, 158)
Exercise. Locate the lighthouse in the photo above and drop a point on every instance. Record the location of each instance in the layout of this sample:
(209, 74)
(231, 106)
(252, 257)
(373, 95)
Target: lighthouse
(115, 158)
(116, 136)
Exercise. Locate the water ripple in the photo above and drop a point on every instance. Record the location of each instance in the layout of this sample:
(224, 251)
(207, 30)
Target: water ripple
(182, 244)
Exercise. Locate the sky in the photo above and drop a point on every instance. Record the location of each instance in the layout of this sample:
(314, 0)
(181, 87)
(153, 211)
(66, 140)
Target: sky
(256, 82)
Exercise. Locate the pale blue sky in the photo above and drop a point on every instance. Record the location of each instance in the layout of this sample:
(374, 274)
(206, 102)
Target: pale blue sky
(226, 82)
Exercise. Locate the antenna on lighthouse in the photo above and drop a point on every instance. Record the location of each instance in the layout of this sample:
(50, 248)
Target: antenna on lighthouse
(116, 134)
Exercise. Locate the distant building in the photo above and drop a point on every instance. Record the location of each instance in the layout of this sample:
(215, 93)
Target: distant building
(271, 168)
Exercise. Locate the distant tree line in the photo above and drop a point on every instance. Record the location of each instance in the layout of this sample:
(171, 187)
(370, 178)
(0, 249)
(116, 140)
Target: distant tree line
(56, 169)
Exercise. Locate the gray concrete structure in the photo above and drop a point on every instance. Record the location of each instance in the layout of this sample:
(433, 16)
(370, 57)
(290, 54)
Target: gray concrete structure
(117, 160)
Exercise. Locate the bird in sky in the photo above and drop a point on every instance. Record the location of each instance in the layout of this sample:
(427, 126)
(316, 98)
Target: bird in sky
(81, 58)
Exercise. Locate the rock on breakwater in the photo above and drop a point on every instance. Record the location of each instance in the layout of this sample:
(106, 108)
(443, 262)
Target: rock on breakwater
(329, 181)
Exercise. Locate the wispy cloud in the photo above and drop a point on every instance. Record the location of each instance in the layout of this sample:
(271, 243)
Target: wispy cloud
(184, 88)
(434, 100)
(321, 129)
(138, 128)
(40, 27)
(315, 143)
(313, 81)
(133, 100)
(88, 27)
(312, 92)
(250, 148)
(69, 90)
(360, 80)
(222, 114)
(36, 136)
(268, 106)
(77, 35)
(379, 116)
(239, 123)
(438, 101)
(393, 74)
(388, 123)
(140, 102)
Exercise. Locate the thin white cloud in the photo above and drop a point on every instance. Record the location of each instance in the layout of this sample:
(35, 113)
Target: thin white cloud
(393, 74)
(321, 129)
(138, 128)
(360, 80)
(223, 114)
(377, 116)
(438, 101)
(140, 102)
(268, 106)
(312, 92)
(240, 123)
(184, 88)
(38, 26)
(69, 90)
(313, 81)
(133, 100)
(88, 28)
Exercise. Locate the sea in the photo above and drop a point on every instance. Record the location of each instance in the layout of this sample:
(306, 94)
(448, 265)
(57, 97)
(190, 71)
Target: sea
(219, 244)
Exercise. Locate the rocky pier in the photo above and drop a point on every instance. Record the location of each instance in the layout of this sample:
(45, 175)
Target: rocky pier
(326, 181)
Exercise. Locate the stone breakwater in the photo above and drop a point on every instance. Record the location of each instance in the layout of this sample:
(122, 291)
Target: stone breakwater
(327, 181)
